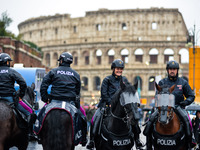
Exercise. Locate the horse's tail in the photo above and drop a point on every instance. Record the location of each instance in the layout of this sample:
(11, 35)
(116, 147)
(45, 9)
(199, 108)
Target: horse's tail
(58, 128)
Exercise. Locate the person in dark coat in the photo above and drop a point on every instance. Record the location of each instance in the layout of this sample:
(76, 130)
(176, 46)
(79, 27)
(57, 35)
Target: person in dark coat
(66, 86)
(8, 77)
(196, 126)
(110, 85)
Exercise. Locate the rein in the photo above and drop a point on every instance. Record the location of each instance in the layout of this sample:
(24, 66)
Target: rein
(124, 119)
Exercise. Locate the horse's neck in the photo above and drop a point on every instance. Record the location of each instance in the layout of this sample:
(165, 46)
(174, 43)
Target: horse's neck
(116, 125)
(168, 129)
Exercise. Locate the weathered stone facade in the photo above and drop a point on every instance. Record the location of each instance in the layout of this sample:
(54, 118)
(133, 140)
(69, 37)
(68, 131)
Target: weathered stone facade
(20, 52)
(144, 38)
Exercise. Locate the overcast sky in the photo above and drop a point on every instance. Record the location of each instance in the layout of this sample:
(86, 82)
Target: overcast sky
(21, 10)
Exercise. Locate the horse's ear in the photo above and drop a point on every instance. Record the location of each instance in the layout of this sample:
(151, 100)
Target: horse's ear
(172, 88)
(33, 86)
(136, 85)
(122, 85)
(158, 87)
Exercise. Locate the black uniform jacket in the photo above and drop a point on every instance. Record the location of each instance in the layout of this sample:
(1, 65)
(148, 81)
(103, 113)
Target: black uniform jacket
(182, 89)
(8, 76)
(65, 84)
(109, 86)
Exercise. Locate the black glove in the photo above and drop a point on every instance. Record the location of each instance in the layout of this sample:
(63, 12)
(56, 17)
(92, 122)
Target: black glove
(46, 98)
(183, 103)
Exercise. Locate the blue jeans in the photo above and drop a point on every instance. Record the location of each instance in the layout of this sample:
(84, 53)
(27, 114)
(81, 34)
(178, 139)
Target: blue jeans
(19, 107)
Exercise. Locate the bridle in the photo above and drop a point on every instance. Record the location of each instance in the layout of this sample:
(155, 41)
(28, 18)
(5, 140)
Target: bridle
(170, 116)
(124, 119)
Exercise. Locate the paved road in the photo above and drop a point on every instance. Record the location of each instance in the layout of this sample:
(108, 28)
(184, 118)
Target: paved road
(142, 137)
(36, 146)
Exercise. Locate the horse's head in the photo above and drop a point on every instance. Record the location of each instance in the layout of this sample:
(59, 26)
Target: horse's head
(127, 100)
(165, 102)
(30, 94)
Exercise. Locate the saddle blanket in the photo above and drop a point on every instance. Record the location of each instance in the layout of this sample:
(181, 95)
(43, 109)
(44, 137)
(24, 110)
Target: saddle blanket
(70, 109)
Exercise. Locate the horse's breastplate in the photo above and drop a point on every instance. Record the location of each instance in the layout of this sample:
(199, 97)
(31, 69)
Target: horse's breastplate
(172, 142)
(116, 141)
(72, 111)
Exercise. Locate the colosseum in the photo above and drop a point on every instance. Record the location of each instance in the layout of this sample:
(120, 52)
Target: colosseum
(145, 39)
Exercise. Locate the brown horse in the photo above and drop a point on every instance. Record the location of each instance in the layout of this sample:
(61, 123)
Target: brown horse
(167, 132)
(10, 134)
(57, 131)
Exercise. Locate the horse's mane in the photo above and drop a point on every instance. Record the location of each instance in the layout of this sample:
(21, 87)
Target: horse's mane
(128, 88)
(58, 125)
(30, 92)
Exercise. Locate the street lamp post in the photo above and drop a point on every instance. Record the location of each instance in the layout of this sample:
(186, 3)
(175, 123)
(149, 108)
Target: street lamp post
(194, 60)
(193, 39)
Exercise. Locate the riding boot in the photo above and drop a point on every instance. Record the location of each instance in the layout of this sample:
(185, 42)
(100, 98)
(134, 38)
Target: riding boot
(31, 120)
(84, 136)
(182, 114)
(136, 130)
(91, 142)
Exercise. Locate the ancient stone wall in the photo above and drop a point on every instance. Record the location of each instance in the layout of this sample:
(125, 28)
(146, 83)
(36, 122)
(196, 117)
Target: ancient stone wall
(145, 39)
(20, 52)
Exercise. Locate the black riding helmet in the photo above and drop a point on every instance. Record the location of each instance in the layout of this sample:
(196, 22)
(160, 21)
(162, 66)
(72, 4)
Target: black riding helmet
(117, 63)
(66, 57)
(4, 57)
(172, 65)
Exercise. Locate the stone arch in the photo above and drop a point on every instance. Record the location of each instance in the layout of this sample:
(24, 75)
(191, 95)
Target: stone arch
(47, 59)
(75, 58)
(55, 59)
(84, 83)
(97, 83)
(151, 83)
(86, 56)
(139, 55)
(98, 56)
(183, 56)
(111, 56)
(168, 55)
(153, 54)
(124, 55)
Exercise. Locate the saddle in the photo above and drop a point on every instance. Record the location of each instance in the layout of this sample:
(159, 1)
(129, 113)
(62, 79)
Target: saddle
(172, 142)
(21, 118)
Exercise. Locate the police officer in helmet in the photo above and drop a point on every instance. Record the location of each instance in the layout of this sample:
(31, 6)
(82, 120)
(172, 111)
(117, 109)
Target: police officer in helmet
(182, 89)
(66, 85)
(109, 86)
(8, 76)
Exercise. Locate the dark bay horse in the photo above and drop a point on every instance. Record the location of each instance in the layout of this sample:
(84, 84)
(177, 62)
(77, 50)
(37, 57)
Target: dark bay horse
(116, 130)
(10, 133)
(57, 131)
(167, 132)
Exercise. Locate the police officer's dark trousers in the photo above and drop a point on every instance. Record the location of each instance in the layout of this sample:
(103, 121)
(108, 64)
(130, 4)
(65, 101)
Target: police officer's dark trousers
(136, 130)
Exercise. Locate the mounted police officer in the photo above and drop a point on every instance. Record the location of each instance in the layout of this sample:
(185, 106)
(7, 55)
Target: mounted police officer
(109, 86)
(8, 77)
(66, 85)
(182, 89)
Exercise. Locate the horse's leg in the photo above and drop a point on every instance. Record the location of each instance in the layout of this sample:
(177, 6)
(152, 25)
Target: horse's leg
(73, 147)
(149, 143)
(1, 147)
